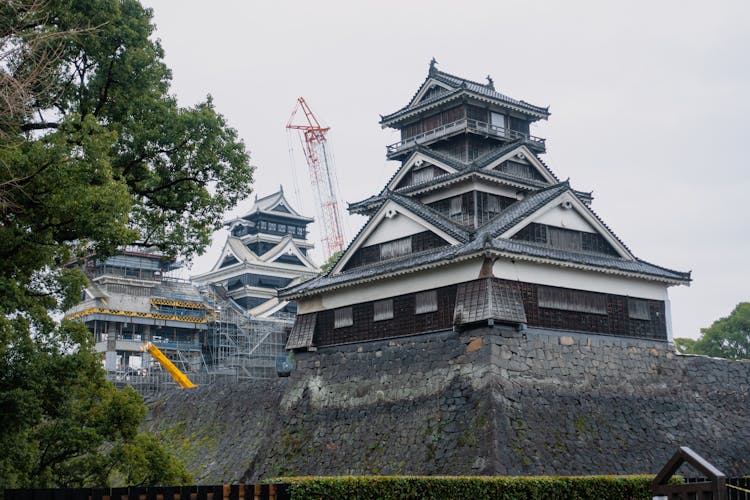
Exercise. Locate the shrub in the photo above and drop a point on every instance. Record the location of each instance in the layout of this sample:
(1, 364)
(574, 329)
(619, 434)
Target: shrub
(444, 487)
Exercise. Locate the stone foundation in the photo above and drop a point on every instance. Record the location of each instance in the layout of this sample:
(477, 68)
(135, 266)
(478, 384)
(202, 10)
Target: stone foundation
(486, 401)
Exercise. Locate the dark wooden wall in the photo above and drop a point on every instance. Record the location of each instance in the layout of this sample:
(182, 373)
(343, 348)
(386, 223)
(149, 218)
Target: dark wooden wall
(616, 320)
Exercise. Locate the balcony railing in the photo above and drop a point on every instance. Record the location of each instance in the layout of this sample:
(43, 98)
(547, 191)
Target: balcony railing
(458, 126)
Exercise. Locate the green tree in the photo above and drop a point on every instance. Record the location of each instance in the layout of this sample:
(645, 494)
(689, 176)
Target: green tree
(685, 345)
(94, 154)
(327, 265)
(726, 338)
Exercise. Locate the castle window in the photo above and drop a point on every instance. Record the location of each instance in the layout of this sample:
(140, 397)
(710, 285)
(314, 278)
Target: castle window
(498, 121)
(426, 302)
(423, 175)
(564, 238)
(263, 225)
(638, 309)
(395, 248)
(382, 310)
(343, 317)
(455, 206)
(572, 300)
(282, 228)
(272, 226)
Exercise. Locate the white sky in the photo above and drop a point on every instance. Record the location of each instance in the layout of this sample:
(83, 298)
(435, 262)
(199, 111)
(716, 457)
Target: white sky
(649, 101)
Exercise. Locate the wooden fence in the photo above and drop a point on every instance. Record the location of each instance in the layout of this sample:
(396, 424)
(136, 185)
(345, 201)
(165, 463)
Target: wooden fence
(219, 492)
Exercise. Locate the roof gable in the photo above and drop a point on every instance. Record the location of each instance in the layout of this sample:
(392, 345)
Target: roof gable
(287, 247)
(395, 217)
(454, 87)
(567, 211)
(275, 203)
(234, 248)
(419, 159)
(429, 89)
(521, 156)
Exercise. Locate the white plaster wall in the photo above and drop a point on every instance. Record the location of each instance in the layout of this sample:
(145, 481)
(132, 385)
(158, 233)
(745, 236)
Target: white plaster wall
(398, 226)
(399, 285)
(566, 218)
(577, 279)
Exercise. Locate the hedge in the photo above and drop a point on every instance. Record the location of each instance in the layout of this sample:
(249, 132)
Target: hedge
(479, 487)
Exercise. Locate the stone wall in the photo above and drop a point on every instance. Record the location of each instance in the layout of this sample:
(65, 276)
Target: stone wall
(487, 401)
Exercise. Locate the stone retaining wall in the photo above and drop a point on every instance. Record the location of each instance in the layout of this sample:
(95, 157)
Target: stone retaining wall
(487, 401)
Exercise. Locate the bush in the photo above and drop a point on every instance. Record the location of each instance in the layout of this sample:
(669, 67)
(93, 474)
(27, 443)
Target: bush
(499, 487)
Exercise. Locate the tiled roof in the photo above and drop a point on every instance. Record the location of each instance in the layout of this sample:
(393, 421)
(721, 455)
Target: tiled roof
(402, 265)
(432, 216)
(266, 205)
(636, 266)
(464, 169)
(488, 299)
(410, 263)
(485, 238)
(522, 209)
(488, 158)
(461, 85)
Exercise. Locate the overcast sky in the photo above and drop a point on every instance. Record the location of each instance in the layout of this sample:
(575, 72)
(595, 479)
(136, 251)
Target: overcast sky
(649, 105)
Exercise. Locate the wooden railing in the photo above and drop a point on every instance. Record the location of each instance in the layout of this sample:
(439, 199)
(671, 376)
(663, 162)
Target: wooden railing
(457, 126)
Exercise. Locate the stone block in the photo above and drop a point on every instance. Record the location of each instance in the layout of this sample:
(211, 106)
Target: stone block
(475, 343)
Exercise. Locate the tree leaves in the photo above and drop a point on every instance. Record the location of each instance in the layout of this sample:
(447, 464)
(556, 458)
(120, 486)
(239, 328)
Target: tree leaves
(95, 154)
(726, 338)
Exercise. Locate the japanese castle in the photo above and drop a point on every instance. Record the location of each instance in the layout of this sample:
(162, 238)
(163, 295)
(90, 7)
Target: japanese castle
(266, 250)
(475, 230)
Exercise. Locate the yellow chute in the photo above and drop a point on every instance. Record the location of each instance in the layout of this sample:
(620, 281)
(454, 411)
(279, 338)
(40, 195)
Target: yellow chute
(159, 356)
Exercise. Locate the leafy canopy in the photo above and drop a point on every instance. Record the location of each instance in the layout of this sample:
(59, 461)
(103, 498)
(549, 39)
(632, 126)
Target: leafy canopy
(95, 154)
(726, 338)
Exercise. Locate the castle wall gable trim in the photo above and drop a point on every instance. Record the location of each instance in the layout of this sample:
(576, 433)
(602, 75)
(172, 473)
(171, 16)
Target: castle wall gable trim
(570, 201)
(388, 210)
(234, 247)
(428, 84)
(529, 157)
(409, 165)
(287, 245)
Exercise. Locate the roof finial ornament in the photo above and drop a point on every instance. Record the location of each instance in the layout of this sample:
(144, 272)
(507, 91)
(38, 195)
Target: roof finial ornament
(490, 82)
(281, 189)
(433, 63)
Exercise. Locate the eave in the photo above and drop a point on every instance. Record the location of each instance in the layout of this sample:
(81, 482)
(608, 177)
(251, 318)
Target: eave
(460, 93)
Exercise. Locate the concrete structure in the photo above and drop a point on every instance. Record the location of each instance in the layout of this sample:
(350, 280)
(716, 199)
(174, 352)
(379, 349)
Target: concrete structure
(228, 323)
(130, 301)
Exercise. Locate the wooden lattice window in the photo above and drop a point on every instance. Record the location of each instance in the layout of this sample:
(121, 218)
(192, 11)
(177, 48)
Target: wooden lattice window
(564, 239)
(454, 208)
(431, 122)
(422, 175)
(395, 248)
(382, 310)
(426, 302)
(343, 317)
(453, 114)
(572, 300)
(638, 309)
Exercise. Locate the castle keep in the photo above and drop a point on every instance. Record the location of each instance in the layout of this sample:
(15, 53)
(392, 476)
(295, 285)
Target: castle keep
(484, 321)
(475, 229)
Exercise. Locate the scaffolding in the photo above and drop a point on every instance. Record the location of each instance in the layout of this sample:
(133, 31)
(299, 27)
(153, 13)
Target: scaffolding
(242, 345)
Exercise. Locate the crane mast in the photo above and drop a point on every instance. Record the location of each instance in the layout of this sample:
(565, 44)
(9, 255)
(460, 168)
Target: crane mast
(313, 137)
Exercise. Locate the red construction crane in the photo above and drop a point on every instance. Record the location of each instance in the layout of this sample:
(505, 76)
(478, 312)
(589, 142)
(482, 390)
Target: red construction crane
(322, 175)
